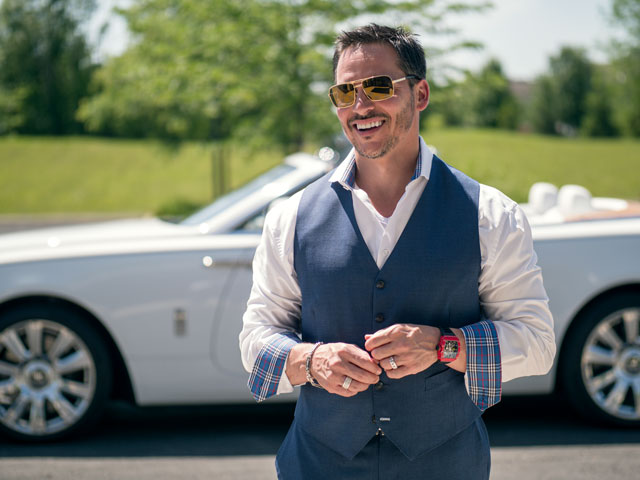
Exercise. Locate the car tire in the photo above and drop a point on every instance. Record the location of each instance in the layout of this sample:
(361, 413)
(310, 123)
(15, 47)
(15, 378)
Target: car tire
(600, 370)
(55, 372)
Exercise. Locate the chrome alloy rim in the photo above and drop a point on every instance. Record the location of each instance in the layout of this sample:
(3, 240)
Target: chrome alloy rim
(47, 377)
(610, 364)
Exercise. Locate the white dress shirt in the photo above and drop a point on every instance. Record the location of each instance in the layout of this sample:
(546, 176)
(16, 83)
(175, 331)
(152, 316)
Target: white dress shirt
(510, 285)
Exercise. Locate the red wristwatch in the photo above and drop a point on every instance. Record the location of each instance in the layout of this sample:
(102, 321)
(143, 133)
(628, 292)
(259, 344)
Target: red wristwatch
(448, 347)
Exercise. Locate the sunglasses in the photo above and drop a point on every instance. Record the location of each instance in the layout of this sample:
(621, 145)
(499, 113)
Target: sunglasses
(375, 88)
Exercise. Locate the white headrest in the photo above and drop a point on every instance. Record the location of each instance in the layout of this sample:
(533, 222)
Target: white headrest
(574, 200)
(542, 197)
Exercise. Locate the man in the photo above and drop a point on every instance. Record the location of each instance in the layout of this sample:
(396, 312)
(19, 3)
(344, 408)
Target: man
(397, 291)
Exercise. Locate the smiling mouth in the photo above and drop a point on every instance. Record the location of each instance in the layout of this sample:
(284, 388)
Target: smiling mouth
(368, 126)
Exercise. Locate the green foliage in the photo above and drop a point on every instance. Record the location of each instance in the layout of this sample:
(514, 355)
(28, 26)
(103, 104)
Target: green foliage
(493, 103)
(254, 70)
(571, 73)
(12, 116)
(626, 67)
(480, 100)
(599, 120)
(448, 102)
(627, 14)
(542, 108)
(560, 98)
(44, 65)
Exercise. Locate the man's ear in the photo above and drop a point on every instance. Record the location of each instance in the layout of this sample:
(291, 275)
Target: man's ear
(422, 93)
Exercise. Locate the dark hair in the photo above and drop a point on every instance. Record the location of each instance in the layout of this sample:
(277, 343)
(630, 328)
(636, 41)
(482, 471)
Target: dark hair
(411, 58)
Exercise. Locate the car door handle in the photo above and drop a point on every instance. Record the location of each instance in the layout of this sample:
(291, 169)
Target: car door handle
(209, 262)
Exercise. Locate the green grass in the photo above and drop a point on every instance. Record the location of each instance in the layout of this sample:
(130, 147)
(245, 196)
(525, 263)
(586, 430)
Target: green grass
(40, 175)
(512, 162)
(84, 174)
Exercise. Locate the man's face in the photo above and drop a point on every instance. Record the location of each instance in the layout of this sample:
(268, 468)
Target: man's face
(376, 128)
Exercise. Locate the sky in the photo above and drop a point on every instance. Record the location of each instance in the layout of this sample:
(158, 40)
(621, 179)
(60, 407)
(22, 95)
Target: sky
(521, 34)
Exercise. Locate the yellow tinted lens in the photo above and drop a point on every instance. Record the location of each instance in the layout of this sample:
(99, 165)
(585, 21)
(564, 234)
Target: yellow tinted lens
(342, 95)
(378, 88)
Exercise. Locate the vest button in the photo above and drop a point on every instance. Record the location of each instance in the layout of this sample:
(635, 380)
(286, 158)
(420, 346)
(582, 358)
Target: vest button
(379, 318)
(379, 386)
(373, 419)
(380, 284)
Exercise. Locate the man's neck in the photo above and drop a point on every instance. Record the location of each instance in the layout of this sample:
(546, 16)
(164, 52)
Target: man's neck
(385, 178)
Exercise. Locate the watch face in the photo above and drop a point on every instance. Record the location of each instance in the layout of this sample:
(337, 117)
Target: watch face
(450, 350)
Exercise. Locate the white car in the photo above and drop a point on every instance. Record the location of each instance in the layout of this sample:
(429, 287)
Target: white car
(150, 311)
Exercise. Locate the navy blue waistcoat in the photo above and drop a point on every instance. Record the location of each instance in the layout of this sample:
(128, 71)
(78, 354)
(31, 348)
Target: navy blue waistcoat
(430, 278)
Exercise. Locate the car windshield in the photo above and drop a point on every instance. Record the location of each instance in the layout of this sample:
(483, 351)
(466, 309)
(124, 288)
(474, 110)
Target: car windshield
(231, 198)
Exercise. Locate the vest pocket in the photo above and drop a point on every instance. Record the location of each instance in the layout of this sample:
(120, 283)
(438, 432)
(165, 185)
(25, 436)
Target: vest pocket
(439, 375)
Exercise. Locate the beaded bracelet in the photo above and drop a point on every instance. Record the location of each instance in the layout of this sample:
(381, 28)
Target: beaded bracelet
(307, 367)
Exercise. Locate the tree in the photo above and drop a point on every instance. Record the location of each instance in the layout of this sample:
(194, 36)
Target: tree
(626, 67)
(542, 110)
(45, 65)
(560, 98)
(627, 14)
(626, 91)
(493, 104)
(482, 99)
(254, 69)
(571, 76)
(598, 120)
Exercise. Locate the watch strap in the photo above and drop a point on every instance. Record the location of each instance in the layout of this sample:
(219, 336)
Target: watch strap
(446, 331)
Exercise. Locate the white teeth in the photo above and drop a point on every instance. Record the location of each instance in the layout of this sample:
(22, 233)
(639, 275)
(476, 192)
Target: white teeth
(366, 126)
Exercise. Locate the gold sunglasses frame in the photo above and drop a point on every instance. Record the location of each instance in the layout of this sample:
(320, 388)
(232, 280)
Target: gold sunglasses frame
(358, 83)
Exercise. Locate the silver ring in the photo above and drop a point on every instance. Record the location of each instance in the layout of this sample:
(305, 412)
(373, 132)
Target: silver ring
(347, 383)
(393, 363)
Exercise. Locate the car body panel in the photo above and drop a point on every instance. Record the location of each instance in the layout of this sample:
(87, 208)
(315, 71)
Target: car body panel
(577, 270)
(172, 296)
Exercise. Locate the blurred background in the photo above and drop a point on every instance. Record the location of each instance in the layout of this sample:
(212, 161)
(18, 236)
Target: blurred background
(155, 107)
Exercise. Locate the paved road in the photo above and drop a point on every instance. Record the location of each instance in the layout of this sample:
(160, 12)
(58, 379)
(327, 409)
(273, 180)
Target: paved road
(532, 439)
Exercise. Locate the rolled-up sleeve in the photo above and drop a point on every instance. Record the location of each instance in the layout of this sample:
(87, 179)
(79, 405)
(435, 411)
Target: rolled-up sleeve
(271, 321)
(484, 367)
(511, 290)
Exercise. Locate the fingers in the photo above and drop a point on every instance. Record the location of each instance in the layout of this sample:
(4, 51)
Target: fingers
(412, 348)
(361, 359)
(402, 368)
(333, 362)
(385, 343)
(385, 351)
(394, 365)
(377, 339)
(400, 372)
(353, 387)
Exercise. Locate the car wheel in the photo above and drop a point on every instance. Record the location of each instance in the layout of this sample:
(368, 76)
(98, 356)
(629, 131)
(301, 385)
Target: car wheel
(55, 375)
(601, 368)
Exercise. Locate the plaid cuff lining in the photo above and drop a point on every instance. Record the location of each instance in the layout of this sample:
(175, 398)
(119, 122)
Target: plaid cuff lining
(484, 368)
(269, 365)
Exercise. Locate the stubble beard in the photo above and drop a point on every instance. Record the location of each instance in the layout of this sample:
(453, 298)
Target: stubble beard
(404, 120)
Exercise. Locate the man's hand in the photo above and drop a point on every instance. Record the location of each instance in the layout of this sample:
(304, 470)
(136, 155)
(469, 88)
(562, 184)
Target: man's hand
(413, 348)
(331, 364)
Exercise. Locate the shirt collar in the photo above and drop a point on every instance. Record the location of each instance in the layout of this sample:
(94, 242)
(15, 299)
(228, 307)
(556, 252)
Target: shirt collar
(345, 173)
